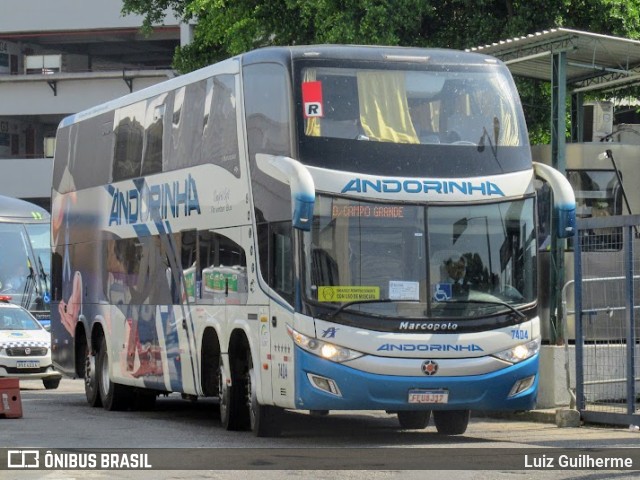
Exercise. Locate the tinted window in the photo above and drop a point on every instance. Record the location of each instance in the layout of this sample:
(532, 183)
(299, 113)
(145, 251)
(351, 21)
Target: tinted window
(127, 154)
(186, 126)
(223, 270)
(152, 161)
(220, 138)
(83, 154)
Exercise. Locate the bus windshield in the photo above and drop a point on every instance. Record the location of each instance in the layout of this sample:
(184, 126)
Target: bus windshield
(413, 261)
(408, 106)
(39, 236)
(15, 260)
(423, 120)
(25, 264)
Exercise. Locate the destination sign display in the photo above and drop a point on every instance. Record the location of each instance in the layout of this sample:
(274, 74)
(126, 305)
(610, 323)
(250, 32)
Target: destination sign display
(367, 211)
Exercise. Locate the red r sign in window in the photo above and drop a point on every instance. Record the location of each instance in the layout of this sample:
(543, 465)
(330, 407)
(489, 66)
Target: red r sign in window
(312, 99)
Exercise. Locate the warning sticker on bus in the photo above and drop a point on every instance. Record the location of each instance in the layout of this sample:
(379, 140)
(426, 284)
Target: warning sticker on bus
(348, 294)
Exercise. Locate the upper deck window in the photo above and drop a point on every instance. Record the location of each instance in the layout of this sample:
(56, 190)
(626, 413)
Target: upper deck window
(445, 120)
(426, 107)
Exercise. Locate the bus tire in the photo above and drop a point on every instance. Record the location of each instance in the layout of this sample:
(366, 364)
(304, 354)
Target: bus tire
(414, 420)
(114, 396)
(451, 422)
(231, 402)
(51, 383)
(91, 389)
(144, 400)
(264, 420)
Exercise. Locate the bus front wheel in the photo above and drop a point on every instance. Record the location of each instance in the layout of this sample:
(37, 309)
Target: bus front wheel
(230, 401)
(264, 420)
(451, 422)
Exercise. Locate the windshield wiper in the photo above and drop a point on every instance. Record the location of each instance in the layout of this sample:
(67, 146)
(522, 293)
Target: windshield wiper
(489, 302)
(358, 302)
(44, 278)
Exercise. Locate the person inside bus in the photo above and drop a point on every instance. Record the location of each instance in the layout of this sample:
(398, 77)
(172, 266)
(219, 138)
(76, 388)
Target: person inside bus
(16, 279)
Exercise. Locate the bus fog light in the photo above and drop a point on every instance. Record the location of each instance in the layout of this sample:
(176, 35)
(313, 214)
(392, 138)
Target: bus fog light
(522, 385)
(325, 384)
(520, 352)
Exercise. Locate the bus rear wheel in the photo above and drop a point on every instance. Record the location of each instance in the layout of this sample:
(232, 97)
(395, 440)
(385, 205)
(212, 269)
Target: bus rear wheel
(451, 422)
(264, 420)
(114, 396)
(91, 390)
(414, 420)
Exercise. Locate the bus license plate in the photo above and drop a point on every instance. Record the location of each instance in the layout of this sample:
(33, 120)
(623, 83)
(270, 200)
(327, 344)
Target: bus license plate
(28, 363)
(428, 396)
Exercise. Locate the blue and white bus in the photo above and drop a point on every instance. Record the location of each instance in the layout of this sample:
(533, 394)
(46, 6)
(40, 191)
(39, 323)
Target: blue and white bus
(25, 256)
(315, 228)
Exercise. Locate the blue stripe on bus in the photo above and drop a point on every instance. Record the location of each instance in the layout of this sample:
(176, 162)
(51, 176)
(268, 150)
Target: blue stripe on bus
(367, 391)
(142, 230)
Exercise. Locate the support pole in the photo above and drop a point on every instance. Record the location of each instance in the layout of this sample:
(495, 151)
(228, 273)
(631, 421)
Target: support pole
(558, 148)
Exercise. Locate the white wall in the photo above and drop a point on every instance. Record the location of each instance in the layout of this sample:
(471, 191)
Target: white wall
(38, 171)
(46, 15)
(72, 95)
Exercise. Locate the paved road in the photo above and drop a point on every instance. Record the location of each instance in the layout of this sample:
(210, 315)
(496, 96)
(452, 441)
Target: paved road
(61, 419)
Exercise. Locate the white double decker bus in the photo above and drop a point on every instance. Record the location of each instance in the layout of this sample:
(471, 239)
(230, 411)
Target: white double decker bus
(316, 228)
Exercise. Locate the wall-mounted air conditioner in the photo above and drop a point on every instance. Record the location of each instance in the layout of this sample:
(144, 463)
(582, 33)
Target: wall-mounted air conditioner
(49, 146)
(48, 64)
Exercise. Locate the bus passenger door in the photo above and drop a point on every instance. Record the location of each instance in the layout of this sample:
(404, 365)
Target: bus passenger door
(281, 313)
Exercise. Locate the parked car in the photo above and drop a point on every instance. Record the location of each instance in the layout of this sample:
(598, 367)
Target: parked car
(25, 347)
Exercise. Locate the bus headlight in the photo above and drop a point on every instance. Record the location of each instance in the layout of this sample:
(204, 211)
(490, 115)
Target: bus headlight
(520, 352)
(321, 348)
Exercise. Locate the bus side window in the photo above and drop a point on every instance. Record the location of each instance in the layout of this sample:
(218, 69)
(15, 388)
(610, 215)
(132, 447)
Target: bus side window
(220, 136)
(280, 245)
(185, 135)
(129, 133)
(189, 250)
(153, 133)
(223, 270)
(268, 111)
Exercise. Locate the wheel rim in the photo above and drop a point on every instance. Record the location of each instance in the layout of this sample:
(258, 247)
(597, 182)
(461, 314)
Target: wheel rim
(104, 373)
(90, 371)
(224, 396)
(251, 404)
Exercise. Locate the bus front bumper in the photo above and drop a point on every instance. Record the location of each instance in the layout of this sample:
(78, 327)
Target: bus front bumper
(325, 385)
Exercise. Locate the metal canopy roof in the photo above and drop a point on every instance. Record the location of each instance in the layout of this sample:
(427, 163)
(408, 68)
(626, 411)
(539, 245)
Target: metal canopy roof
(594, 61)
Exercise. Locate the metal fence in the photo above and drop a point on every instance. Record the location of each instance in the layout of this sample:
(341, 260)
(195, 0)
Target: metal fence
(607, 334)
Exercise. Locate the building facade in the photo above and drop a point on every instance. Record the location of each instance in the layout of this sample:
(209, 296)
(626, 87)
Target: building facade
(58, 58)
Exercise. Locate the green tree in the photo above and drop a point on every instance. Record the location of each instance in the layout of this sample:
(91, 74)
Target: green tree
(229, 27)
(224, 28)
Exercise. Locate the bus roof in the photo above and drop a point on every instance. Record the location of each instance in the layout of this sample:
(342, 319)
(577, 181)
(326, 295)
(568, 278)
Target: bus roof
(14, 209)
(371, 53)
(284, 55)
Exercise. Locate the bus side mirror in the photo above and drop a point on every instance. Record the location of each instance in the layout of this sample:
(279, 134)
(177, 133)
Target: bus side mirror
(296, 175)
(564, 200)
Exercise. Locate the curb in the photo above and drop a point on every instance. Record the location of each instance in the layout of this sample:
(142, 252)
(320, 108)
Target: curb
(539, 416)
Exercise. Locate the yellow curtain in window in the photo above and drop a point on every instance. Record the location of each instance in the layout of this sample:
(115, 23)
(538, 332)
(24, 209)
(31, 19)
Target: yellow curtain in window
(384, 110)
(312, 124)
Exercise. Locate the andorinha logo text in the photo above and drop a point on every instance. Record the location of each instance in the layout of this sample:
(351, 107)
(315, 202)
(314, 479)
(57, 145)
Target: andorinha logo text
(146, 202)
(439, 187)
(425, 347)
